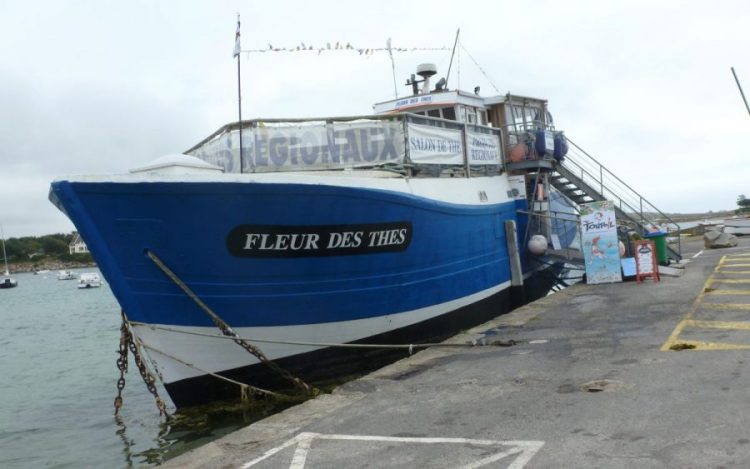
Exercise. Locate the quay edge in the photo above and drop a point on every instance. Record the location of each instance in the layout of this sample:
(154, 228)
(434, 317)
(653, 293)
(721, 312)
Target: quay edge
(654, 409)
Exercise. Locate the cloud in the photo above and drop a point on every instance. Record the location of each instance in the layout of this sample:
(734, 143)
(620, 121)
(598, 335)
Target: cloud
(645, 87)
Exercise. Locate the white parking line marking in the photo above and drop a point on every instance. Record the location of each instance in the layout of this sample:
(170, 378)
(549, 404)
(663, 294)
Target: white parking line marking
(524, 449)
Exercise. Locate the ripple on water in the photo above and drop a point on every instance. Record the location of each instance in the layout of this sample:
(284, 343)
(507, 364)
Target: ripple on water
(57, 360)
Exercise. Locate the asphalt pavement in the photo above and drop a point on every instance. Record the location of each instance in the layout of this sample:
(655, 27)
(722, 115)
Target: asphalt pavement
(626, 375)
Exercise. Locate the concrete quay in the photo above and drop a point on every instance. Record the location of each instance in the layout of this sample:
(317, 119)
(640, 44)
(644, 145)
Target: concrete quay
(626, 375)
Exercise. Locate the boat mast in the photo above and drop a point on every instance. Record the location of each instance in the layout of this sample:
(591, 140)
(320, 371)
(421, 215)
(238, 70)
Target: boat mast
(5, 256)
(741, 92)
(239, 86)
(455, 43)
(393, 67)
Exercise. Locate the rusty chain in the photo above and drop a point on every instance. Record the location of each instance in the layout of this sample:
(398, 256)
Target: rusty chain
(127, 342)
(122, 363)
(255, 351)
(228, 331)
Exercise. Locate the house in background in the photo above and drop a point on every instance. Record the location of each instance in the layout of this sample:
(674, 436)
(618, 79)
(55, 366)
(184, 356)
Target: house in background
(77, 246)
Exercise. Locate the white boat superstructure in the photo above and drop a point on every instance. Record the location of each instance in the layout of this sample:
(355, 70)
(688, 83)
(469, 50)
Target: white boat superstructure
(66, 275)
(89, 280)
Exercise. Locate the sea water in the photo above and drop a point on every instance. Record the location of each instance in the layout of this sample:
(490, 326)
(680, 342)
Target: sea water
(58, 375)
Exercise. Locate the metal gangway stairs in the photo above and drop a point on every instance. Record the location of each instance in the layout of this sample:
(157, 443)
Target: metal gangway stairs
(583, 179)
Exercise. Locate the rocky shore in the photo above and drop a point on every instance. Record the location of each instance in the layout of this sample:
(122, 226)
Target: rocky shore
(53, 266)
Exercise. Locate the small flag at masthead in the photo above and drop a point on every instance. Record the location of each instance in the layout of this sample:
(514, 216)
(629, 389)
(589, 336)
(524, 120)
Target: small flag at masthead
(237, 39)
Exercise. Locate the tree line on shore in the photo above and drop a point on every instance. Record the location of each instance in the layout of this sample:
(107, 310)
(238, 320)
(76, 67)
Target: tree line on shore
(744, 205)
(44, 251)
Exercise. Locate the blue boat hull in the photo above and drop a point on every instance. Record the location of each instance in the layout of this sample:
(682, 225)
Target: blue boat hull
(276, 259)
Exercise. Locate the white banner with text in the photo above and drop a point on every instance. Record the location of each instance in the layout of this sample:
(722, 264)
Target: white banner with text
(435, 145)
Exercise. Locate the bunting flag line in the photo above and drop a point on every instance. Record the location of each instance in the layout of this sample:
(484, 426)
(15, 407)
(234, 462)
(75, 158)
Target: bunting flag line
(338, 46)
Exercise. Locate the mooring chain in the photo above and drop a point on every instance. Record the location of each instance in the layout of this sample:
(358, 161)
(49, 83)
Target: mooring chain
(255, 351)
(122, 363)
(148, 378)
(127, 342)
(227, 330)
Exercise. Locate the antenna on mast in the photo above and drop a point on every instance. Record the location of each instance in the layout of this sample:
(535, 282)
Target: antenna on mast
(741, 92)
(236, 54)
(455, 43)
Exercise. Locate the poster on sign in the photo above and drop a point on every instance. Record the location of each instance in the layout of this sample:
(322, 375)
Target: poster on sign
(483, 148)
(601, 249)
(645, 260)
(435, 145)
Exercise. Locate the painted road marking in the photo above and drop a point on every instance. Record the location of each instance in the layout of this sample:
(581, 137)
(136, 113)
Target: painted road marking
(737, 325)
(709, 346)
(726, 306)
(712, 288)
(726, 291)
(525, 450)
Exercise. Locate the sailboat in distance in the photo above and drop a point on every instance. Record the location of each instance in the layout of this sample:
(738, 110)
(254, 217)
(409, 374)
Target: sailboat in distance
(7, 281)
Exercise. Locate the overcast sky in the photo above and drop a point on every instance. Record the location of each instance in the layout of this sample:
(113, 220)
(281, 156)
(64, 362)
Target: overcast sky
(96, 87)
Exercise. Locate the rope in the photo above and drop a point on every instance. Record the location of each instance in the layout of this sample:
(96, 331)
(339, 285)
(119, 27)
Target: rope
(481, 69)
(243, 387)
(410, 347)
(227, 330)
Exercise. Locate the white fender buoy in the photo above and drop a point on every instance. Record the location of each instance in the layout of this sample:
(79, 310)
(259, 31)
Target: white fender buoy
(622, 249)
(537, 245)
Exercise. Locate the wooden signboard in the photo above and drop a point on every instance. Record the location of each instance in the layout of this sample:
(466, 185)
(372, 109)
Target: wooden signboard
(645, 261)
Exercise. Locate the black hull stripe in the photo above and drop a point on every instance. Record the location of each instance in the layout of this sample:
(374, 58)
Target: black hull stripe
(324, 365)
(327, 364)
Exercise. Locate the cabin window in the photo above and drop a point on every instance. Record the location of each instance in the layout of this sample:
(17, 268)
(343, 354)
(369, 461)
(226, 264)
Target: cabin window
(517, 116)
(482, 117)
(533, 116)
(461, 114)
(449, 113)
(472, 117)
(526, 117)
(433, 113)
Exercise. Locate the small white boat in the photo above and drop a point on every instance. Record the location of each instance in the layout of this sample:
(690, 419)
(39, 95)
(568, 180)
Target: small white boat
(89, 280)
(41, 272)
(66, 275)
(8, 282)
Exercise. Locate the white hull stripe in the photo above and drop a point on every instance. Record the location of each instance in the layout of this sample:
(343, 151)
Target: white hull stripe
(215, 355)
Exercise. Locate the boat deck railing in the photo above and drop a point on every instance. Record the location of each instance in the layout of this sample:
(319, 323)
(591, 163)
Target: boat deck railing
(593, 178)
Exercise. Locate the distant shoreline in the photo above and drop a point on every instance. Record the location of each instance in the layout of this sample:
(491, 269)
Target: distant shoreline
(52, 266)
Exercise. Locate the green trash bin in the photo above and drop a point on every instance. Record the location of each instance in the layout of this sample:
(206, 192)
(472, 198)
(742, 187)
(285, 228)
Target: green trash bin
(660, 242)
